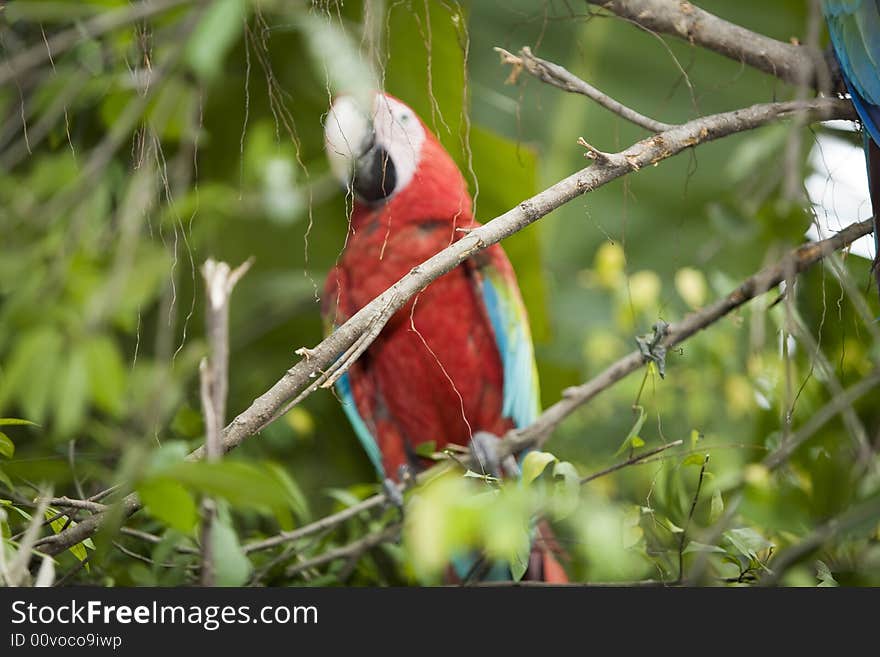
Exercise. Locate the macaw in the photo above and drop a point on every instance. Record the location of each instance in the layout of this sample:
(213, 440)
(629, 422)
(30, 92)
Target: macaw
(854, 27)
(456, 363)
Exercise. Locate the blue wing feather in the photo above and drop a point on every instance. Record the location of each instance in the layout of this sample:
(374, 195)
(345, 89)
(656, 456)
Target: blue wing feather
(854, 27)
(343, 389)
(511, 327)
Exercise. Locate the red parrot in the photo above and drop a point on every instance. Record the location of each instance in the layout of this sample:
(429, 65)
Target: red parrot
(456, 363)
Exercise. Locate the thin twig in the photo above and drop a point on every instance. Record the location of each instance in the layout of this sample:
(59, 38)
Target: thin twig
(155, 540)
(352, 550)
(635, 460)
(690, 517)
(561, 78)
(328, 522)
(70, 503)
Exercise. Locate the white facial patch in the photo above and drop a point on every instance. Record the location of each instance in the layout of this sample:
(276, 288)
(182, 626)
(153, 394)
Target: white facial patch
(349, 131)
(400, 133)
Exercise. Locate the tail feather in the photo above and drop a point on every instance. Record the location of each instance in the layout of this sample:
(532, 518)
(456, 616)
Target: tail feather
(544, 563)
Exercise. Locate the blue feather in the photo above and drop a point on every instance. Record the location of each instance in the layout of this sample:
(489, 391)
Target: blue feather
(854, 27)
(343, 389)
(511, 328)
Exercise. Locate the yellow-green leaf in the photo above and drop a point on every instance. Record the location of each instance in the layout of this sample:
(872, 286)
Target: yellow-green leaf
(7, 448)
(534, 464)
(78, 550)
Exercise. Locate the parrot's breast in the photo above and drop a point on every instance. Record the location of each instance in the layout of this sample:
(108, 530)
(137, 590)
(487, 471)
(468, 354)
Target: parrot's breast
(434, 373)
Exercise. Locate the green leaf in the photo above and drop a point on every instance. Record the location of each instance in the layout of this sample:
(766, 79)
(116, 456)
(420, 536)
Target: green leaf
(167, 456)
(568, 473)
(695, 459)
(534, 464)
(107, 375)
(716, 506)
(7, 447)
(675, 529)
(747, 541)
(188, 422)
(214, 36)
(72, 394)
(566, 495)
(14, 421)
(231, 565)
(636, 442)
(31, 372)
(519, 564)
(241, 483)
(295, 496)
(169, 502)
(426, 449)
(823, 574)
(78, 550)
(6, 481)
(694, 546)
(633, 433)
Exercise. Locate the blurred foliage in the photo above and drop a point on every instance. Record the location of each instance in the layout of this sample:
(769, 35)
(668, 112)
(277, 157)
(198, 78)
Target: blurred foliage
(131, 156)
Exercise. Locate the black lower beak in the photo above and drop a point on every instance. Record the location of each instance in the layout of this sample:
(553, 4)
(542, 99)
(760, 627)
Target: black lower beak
(374, 175)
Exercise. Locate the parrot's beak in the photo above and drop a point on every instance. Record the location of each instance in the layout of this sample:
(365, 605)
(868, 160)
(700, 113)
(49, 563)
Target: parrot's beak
(356, 157)
(374, 175)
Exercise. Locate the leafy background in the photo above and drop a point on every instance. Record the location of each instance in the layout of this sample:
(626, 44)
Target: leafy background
(133, 156)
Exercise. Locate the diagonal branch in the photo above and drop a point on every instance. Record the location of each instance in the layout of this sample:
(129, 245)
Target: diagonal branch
(562, 78)
(610, 167)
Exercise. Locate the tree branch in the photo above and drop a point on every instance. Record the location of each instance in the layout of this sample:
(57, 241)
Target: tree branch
(794, 64)
(635, 460)
(220, 280)
(559, 77)
(352, 550)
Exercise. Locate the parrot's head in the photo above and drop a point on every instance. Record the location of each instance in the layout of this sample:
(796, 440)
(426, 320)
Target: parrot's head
(386, 154)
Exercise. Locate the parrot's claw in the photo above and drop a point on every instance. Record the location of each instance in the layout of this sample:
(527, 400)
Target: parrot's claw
(484, 449)
(652, 349)
(393, 494)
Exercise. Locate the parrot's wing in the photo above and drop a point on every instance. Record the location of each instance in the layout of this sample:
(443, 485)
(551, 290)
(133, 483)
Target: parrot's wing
(332, 315)
(500, 294)
(854, 27)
